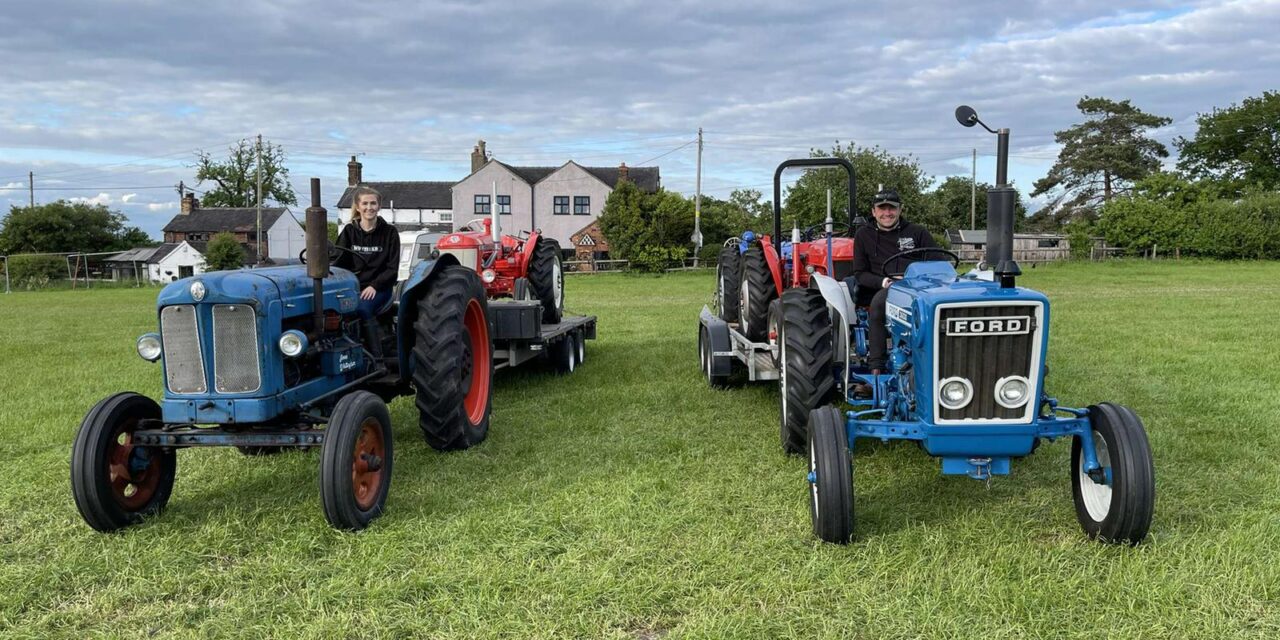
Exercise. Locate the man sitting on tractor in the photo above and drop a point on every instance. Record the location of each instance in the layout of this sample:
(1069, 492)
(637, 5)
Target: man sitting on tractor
(874, 245)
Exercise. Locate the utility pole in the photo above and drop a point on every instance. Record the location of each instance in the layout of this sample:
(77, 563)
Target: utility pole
(31, 186)
(697, 206)
(258, 172)
(973, 192)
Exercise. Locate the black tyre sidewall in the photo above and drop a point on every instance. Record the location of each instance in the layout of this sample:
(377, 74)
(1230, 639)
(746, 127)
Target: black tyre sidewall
(546, 254)
(439, 334)
(337, 492)
(89, 475)
(1129, 516)
(832, 513)
(760, 291)
(806, 352)
(728, 281)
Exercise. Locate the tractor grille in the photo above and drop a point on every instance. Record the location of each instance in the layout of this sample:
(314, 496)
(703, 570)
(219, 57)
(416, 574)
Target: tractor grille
(183, 366)
(235, 349)
(468, 258)
(984, 359)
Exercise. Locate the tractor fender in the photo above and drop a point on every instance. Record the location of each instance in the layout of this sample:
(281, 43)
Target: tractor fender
(414, 288)
(718, 334)
(526, 252)
(836, 295)
(775, 265)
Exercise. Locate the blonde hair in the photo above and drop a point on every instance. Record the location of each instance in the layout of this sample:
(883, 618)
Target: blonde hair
(355, 200)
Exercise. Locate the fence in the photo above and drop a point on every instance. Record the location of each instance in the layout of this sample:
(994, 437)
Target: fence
(72, 270)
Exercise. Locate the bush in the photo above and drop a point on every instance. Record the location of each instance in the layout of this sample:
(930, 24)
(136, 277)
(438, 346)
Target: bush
(656, 259)
(223, 253)
(37, 269)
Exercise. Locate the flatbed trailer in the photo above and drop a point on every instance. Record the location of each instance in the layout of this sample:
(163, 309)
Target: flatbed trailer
(723, 348)
(520, 336)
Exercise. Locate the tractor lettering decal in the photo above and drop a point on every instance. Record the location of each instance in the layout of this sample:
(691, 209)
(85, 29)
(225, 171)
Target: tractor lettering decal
(898, 314)
(906, 243)
(993, 326)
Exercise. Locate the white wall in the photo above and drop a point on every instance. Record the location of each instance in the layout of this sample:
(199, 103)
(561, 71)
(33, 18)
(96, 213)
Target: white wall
(184, 255)
(403, 216)
(285, 238)
(569, 181)
(481, 183)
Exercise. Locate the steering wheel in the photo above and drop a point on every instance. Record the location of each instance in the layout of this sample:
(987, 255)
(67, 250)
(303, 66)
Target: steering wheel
(955, 259)
(807, 234)
(336, 252)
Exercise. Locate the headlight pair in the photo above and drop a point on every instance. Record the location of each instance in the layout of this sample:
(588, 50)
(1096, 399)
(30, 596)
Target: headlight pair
(1011, 392)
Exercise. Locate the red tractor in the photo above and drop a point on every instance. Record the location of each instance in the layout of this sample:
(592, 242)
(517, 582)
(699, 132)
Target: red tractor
(752, 274)
(511, 267)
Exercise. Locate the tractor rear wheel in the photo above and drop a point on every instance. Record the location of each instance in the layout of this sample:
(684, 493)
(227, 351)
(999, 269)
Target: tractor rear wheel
(453, 360)
(728, 281)
(1116, 503)
(546, 279)
(805, 378)
(117, 484)
(355, 461)
(757, 289)
(830, 477)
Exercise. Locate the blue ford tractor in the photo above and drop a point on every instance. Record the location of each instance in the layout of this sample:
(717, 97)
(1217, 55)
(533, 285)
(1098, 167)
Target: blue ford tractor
(965, 381)
(270, 359)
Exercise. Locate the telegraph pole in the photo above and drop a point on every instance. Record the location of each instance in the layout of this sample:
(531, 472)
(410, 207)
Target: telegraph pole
(258, 172)
(31, 186)
(697, 205)
(973, 192)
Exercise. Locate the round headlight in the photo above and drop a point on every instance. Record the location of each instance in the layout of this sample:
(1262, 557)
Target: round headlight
(1012, 392)
(955, 393)
(149, 347)
(293, 343)
(488, 276)
(198, 291)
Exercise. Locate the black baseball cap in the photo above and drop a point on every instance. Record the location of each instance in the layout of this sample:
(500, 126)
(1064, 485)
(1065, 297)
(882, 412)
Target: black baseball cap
(886, 195)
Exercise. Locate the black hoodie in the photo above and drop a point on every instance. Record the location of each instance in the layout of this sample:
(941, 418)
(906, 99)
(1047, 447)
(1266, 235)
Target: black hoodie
(873, 245)
(380, 248)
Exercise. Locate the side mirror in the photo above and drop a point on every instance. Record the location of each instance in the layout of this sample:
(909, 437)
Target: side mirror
(966, 116)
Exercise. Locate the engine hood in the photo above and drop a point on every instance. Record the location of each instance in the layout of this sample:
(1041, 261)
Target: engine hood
(260, 287)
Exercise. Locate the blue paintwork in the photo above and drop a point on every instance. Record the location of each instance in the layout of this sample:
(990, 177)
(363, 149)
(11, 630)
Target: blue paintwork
(978, 450)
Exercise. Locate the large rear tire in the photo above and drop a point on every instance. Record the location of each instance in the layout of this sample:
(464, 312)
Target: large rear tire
(805, 378)
(116, 484)
(355, 461)
(830, 477)
(728, 282)
(757, 290)
(453, 360)
(546, 279)
(1118, 509)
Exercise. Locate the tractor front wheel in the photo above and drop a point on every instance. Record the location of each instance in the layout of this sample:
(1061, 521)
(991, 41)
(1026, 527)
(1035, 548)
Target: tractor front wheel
(728, 281)
(755, 292)
(1115, 503)
(546, 279)
(116, 483)
(453, 360)
(355, 461)
(830, 476)
(805, 377)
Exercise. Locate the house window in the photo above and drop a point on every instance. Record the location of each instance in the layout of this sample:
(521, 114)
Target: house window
(446, 216)
(561, 206)
(482, 205)
(581, 205)
(1047, 243)
(504, 204)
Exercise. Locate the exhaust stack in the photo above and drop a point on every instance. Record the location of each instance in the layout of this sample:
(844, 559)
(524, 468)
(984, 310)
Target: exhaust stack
(1000, 201)
(317, 253)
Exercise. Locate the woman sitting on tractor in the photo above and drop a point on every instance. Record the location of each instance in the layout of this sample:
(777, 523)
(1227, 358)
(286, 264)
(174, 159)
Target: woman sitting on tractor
(376, 242)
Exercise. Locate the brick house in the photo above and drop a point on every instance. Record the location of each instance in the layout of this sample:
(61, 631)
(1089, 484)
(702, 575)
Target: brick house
(410, 205)
(589, 245)
(284, 237)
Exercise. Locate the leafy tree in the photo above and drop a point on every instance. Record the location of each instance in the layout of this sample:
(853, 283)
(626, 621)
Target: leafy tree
(223, 252)
(632, 220)
(64, 226)
(951, 202)
(333, 231)
(235, 179)
(1102, 156)
(806, 200)
(1239, 145)
(621, 219)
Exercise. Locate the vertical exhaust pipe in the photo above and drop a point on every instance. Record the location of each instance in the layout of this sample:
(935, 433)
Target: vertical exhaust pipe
(317, 253)
(1000, 204)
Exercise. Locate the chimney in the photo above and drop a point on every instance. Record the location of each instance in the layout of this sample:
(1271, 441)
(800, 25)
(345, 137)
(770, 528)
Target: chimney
(478, 156)
(353, 172)
(622, 172)
(189, 203)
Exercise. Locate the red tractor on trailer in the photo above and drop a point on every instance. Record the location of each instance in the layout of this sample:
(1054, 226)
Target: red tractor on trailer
(504, 261)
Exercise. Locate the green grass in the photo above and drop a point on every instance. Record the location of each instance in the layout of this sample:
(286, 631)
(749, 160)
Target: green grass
(631, 501)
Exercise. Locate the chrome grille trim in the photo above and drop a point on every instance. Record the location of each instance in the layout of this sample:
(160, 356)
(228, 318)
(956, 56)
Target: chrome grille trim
(984, 359)
(183, 361)
(235, 349)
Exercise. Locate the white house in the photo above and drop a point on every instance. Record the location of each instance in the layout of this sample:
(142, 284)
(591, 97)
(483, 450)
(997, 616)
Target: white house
(174, 260)
(285, 238)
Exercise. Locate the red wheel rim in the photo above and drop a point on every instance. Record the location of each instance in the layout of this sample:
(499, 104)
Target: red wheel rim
(130, 490)
(477, 399)
(367, 463)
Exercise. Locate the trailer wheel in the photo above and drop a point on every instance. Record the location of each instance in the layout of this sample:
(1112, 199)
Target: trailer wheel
(830, 476)
(728, 282)
(564, 354)
(1118, 508)
(453, 360)
(705, 356)
(546, 279)
(756, 291)
(355, 461)
(805, 377)
(116, 484)
(580, 340)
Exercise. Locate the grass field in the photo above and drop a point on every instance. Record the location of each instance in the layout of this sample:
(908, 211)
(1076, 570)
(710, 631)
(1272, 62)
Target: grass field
(631, 501)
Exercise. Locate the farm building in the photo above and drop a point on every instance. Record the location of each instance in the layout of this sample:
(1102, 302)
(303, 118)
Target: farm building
(589, 245)
(410, 205)
(971, 246)
(285, 238)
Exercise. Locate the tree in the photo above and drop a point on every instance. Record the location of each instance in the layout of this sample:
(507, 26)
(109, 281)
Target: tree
(951, 205)
(63, 226)
(235, 178)
(223, 253)
(806, 200)
(1238, 146)
(1102, 156)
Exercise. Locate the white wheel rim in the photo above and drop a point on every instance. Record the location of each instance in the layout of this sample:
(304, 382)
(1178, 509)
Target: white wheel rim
(1096, 496)
(720, 300)
(813, 486)
(557, 284)
(782, 373)
(570, 353)
(743, 301)
(582, 348)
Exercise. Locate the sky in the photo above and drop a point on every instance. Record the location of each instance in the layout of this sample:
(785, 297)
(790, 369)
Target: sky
(109, 101)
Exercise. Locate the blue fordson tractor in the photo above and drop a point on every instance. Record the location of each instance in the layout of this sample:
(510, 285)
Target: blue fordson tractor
(965, 381)
(270, 359)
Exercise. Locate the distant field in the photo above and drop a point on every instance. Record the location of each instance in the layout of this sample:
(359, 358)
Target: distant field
(630, 501)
